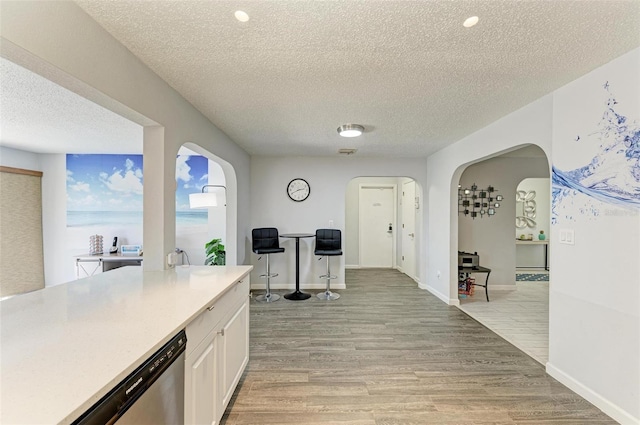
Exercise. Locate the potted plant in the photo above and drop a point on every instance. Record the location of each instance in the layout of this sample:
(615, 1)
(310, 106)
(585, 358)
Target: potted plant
(215, 253)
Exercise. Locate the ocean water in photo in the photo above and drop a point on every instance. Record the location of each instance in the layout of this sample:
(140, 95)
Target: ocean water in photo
(127, 218)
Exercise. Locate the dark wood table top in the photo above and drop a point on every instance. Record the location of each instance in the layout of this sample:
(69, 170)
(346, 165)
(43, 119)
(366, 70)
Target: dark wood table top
(477, 269)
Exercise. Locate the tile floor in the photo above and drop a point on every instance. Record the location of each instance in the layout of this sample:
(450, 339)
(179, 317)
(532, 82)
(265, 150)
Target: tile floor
(521, 317)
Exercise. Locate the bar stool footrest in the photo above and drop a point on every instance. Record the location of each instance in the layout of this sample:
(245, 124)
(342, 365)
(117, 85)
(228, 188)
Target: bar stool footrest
(328, 276)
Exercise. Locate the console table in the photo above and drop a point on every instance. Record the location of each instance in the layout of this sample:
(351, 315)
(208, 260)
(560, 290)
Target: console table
(104, 261)
(477, 269)
(545, 243)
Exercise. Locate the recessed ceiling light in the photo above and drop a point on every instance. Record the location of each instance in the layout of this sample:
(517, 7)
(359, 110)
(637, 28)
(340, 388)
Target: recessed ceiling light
(350, 130)
(241, 16)
(469, 22)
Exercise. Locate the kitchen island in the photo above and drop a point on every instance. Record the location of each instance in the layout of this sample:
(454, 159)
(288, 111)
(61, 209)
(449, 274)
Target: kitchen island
(62, 348)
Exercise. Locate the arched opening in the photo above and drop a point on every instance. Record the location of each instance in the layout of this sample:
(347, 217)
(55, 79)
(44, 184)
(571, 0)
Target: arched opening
(518, 311)
(196, 227)
(193, 230)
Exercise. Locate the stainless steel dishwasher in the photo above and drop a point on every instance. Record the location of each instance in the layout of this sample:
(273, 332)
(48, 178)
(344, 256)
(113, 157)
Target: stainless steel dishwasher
(152, 394)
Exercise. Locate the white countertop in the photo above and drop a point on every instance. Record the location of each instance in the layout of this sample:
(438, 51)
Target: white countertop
(62, 348)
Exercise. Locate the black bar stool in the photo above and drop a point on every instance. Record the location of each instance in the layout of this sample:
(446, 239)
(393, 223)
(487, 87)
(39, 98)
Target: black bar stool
(265, 242)
(328, 244)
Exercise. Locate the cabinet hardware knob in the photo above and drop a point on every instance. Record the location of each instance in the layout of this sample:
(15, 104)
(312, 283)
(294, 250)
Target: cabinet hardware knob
(221, 332)
(211, 307)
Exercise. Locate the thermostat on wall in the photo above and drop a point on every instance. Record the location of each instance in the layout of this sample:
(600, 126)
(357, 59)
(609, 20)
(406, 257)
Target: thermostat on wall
(131, 249)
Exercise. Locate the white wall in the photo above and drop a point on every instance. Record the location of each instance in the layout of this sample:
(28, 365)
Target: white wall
(20, 159)
(594, 317)
(492, 237)
(529, 125)
(86, 59)
(594, 308)
(329, 179)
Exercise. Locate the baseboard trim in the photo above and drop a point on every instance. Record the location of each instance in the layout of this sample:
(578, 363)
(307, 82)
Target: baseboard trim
(607, 407)
(440, 295)
(352, 266)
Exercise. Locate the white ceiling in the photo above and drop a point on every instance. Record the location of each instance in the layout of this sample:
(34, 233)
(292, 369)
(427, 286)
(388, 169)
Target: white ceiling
(281, 83)
(41, 116)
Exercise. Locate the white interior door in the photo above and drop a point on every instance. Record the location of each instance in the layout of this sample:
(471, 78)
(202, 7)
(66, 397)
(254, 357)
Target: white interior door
(408, 231)
(377, 225)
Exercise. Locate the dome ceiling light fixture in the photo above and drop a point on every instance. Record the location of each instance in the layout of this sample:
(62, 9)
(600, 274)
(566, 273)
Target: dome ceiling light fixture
(350, 130)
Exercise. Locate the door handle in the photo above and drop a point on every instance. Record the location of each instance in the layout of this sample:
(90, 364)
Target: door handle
(412, 235)
(390, 228)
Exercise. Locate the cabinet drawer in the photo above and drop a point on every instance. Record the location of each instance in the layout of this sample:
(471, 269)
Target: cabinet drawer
(200, 327)
(239, 292)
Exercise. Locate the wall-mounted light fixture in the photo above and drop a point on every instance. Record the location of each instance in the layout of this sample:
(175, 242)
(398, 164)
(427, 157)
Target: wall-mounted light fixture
(206, 199)
(476, 202)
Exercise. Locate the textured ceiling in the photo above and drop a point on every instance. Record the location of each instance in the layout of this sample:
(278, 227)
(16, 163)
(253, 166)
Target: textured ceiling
(40, 116)
(281, 83)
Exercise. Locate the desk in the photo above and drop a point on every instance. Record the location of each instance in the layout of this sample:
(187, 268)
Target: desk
(106, 261)
(538, 242)
(478, 269)
(297, 295)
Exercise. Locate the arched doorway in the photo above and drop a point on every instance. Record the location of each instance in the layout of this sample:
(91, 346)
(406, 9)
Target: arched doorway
(517, 313)
(196, 227)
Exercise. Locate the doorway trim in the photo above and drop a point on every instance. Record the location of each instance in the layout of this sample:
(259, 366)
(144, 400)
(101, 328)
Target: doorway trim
(394, 188)
(410, 207)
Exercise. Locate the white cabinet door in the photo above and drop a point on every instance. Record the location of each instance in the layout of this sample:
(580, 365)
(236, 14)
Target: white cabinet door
(200, 390)
(234, 352)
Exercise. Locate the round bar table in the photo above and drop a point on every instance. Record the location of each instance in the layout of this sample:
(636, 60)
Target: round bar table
(297, 295)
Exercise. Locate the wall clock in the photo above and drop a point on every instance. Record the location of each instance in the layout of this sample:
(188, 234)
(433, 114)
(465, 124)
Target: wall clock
(298, 190)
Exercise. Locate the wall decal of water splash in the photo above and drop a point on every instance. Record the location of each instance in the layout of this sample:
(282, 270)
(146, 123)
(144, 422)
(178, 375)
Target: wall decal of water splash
(612, 176)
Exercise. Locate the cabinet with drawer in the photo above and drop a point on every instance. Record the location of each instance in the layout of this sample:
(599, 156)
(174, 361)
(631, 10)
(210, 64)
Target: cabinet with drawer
(217, 354)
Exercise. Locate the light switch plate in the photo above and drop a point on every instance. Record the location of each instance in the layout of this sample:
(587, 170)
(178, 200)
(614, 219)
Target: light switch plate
(567, 236)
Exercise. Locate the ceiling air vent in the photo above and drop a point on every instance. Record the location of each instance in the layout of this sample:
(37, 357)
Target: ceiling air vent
(347, 151)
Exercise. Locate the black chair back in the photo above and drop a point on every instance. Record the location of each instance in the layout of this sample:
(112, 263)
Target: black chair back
(265, 240)
(328, 242)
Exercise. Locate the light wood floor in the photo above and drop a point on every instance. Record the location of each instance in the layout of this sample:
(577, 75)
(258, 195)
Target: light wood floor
(389, 353)
(521, 316)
